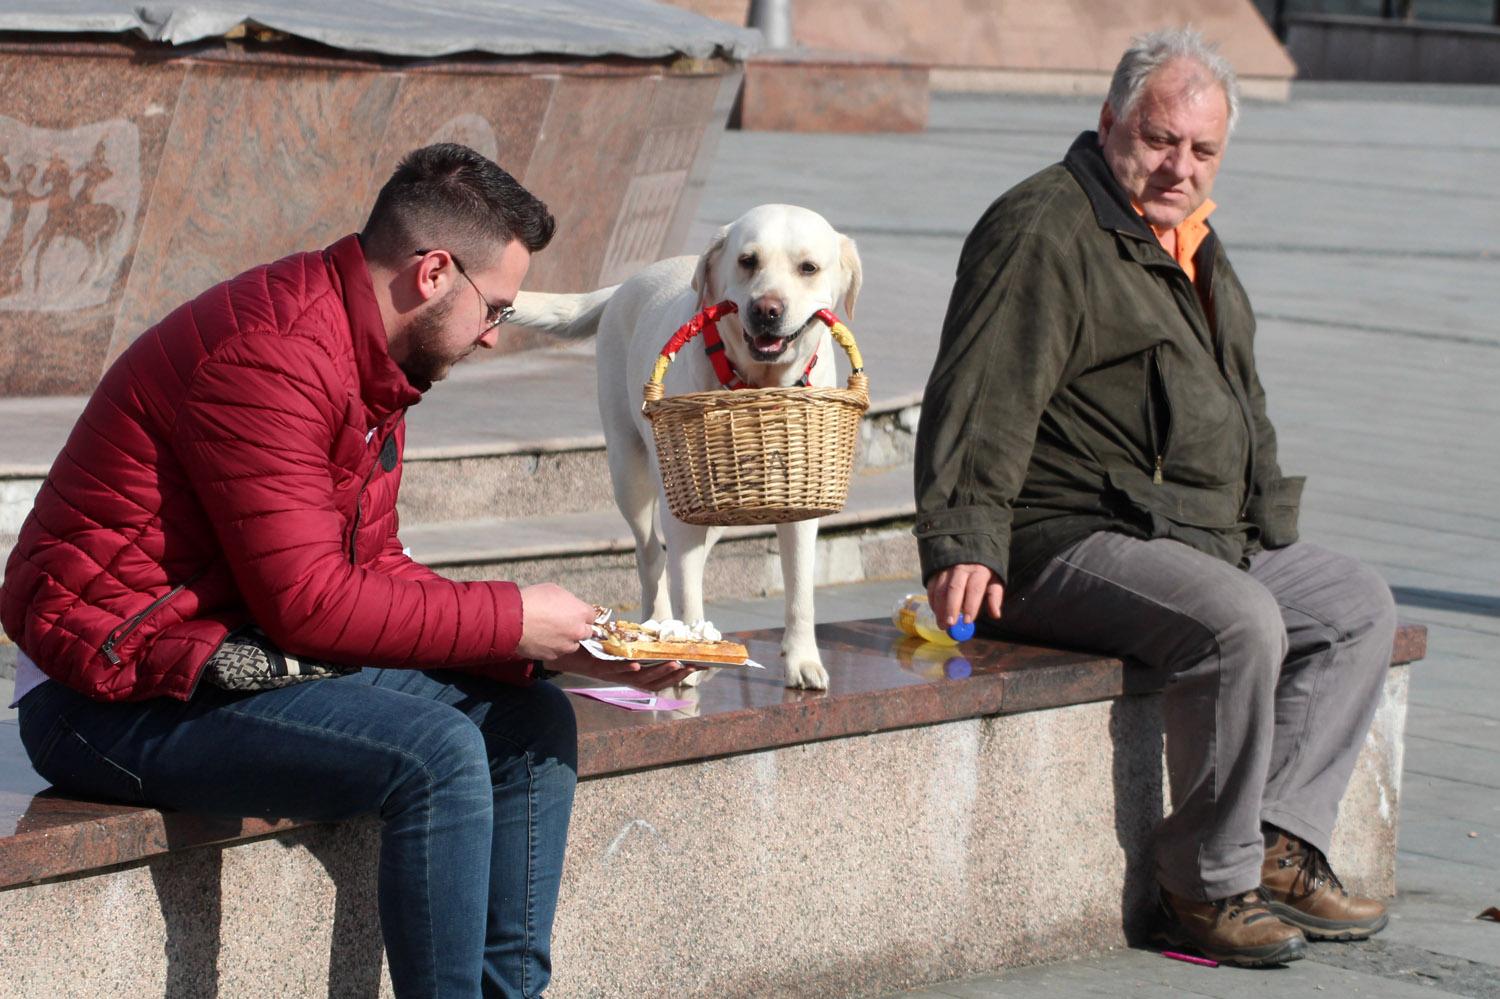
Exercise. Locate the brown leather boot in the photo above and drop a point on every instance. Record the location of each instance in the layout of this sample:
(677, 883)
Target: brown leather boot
(1305, 892)
(1240, 929)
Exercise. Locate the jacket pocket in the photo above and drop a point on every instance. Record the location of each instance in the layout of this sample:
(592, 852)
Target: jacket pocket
(133, 624)
(1206, 442)
(1154, 507)
(67, 760)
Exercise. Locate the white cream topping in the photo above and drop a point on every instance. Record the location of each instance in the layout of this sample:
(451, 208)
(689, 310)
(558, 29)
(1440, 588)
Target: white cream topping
(672, 630)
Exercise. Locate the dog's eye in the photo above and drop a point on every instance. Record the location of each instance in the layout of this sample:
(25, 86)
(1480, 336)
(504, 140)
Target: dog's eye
(808, 267)
(748, 261)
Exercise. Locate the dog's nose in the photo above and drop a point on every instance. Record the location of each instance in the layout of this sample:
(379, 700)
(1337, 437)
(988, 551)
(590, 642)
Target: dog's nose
(767, 310)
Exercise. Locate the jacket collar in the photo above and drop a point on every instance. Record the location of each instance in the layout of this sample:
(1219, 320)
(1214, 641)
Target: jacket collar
(1113, 210)
(382, 385)
(1112, 207)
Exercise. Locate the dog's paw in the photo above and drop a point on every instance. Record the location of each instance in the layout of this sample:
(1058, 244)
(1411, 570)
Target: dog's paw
(806, 674)
(694, 678)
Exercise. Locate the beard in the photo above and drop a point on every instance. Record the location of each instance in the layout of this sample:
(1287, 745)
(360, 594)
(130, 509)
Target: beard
(427, 360)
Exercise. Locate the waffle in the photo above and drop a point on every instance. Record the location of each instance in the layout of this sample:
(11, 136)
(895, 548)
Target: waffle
(627, 640)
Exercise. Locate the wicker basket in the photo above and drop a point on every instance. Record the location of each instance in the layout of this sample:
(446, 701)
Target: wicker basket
(756, 455)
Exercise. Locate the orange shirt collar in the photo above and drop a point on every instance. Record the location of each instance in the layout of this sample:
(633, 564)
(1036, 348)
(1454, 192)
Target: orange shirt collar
(1191, 232)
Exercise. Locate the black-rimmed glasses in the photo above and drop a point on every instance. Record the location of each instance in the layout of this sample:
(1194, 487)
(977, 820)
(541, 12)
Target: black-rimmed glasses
(494, 315)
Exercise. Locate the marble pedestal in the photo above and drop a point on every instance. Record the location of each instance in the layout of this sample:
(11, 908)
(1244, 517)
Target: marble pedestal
(133, 177)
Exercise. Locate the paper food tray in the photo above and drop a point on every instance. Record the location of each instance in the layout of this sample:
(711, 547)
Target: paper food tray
(597, 651)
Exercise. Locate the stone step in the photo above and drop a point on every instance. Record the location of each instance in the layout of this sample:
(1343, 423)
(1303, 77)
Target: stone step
(501, 439)
(568, 476)
(593, 554)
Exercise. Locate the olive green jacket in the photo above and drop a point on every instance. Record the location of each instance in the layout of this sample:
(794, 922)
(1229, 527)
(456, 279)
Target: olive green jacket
(1081, 385)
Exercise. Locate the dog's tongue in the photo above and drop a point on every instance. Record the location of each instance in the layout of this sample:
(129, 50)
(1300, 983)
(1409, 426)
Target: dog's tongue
(770, 344)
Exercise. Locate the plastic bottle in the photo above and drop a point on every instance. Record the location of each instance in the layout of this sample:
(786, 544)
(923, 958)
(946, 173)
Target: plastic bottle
(933, 662)
(913, 615)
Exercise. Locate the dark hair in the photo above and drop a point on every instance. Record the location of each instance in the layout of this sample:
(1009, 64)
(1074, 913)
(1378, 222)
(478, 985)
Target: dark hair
(450, 197)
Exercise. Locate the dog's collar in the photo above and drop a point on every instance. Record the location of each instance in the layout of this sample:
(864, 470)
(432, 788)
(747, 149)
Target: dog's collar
(713, 346)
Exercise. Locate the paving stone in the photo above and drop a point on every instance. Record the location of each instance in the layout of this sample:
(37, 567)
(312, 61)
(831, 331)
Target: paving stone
(1426, 797)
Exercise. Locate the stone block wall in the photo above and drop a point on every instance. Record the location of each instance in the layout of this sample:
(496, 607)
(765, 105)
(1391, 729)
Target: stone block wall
(847, 867)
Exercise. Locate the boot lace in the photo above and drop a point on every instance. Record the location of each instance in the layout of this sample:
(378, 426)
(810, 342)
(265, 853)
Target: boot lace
(1252, 906)
(1313, 869)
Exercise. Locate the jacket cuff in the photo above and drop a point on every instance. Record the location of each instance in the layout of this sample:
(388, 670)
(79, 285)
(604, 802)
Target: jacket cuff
(1275, 508)
(939, 548)
(509, 620)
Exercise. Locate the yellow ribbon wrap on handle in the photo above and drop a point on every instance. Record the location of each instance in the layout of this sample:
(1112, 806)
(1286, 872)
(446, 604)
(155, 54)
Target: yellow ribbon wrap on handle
(845, 339)
(659, 369)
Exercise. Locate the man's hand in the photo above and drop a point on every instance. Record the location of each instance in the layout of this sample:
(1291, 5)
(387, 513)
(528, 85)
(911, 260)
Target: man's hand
(653, 677)
(553, 622)
(961, 589)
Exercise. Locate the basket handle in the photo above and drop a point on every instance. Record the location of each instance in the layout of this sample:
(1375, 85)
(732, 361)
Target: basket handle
(653, 390)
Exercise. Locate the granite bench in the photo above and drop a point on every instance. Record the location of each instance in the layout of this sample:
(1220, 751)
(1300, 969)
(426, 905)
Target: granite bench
(908, 825)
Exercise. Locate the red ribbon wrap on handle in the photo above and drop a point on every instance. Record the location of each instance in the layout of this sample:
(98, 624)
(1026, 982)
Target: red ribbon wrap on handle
(706, 322)
(694, 326)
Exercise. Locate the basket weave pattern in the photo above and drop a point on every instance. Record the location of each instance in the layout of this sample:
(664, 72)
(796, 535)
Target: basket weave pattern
(759, 455)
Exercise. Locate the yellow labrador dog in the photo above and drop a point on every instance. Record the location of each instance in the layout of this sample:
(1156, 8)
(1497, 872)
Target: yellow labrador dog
(779, 265)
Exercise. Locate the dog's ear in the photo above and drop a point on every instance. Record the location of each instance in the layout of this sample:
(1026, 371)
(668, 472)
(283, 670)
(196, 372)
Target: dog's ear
(703, 274)
(854, 274)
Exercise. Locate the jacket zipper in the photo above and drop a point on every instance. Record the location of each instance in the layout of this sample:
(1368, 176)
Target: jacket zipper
(125, 629)
(1217, 337)
(1157, 437)
(359, 501)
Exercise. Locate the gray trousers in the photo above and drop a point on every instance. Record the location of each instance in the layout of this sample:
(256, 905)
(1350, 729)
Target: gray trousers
(1276, 674)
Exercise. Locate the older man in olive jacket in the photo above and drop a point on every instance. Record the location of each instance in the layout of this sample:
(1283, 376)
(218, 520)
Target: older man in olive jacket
(1094, 454)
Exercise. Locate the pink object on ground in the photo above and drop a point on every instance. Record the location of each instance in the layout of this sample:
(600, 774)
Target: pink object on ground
(1190, 959)
(630, 698)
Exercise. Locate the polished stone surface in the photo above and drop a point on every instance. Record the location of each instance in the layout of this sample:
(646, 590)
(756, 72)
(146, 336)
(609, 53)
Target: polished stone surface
(159, 174)
(78, 165)
(817, 91)
(261, 162)
(879, 682)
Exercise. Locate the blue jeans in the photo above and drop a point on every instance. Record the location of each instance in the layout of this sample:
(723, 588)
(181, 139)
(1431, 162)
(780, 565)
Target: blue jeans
(473, 782)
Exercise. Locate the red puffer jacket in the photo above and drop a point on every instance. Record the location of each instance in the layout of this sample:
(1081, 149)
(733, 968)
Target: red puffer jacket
(240, 462)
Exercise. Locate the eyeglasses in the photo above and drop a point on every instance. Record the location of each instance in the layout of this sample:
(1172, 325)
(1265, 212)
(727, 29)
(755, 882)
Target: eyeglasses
(494, 315)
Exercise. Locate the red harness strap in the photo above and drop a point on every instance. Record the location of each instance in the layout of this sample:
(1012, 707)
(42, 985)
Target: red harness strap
(714, 348)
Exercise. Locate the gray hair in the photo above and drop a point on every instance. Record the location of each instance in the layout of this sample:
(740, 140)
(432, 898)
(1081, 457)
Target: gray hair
(1151, 51)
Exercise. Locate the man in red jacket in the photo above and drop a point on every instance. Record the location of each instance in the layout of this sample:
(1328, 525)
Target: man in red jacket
(231, 487)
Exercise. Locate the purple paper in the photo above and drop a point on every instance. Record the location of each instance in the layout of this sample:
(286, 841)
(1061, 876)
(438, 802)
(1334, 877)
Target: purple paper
(630, 698)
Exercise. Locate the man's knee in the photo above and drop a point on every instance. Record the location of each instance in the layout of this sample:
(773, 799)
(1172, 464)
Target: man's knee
(451, 748)
(1355, 604)
(554, 731)
(1374, 606)
(1248, 629)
